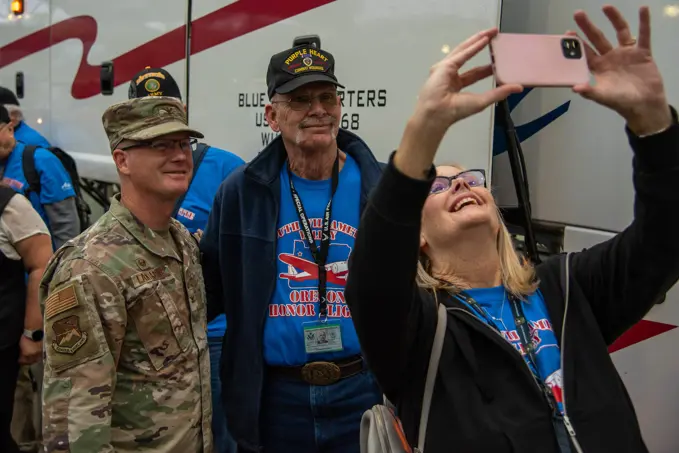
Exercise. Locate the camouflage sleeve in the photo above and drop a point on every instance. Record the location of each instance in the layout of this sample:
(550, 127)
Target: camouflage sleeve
(85, 320)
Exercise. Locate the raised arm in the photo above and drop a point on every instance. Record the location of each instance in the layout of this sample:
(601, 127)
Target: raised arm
(624, 277)
(85, 321)
(381, 290)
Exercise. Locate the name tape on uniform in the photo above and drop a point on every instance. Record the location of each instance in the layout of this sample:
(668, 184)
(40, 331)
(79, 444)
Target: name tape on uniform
(143, 277)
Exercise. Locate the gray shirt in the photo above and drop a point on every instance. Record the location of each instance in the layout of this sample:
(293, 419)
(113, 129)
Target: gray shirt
(64, 222)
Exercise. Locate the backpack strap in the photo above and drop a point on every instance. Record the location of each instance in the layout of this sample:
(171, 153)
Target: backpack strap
(30, 172)
(6, 195)
(198, 155)
(434, 358)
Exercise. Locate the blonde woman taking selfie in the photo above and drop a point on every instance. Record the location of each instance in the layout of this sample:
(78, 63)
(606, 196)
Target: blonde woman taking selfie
(524, 366)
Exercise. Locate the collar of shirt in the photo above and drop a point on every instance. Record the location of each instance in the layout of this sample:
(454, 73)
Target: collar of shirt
(149, 239)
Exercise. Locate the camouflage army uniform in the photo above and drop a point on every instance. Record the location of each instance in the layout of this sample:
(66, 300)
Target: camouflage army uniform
(127, 364)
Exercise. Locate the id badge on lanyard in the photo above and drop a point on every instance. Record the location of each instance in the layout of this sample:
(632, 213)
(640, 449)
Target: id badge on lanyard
(320, 335)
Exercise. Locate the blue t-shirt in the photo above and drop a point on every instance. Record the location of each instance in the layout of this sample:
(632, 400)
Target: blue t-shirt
(55, 183)
(498, 306)
(193, 213)
(295, 299)
(216, 166)
(29, 136)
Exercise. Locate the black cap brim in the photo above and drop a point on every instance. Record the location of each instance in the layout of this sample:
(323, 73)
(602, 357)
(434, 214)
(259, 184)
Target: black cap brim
(293, 84)
(4, 115)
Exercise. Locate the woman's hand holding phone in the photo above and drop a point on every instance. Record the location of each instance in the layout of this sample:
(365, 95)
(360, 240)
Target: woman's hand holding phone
(442, 102)
(627, 79)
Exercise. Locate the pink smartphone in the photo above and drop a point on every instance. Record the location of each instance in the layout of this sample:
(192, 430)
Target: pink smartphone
(539, 60)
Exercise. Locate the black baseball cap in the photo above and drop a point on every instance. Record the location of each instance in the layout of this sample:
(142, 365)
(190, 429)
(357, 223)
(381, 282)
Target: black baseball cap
(8, 97)
(292, 68)
(153, 82)
(4, 115)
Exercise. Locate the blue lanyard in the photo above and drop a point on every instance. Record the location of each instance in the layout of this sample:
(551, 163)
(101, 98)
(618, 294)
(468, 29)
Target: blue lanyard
(475, 306)
(524, 336)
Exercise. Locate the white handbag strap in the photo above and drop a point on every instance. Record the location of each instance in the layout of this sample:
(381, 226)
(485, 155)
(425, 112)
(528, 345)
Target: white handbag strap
(431, 374)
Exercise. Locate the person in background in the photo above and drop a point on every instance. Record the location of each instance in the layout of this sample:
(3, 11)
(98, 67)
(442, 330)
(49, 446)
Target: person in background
(22, 131)
(275, 257)
(128, 368)
(211, 166)
(25, 249)
(57, 207)
(56, 202)
(525, 365)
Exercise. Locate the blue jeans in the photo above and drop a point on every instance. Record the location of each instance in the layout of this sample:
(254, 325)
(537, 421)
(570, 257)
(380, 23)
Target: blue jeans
(303, 418)
(222, 439)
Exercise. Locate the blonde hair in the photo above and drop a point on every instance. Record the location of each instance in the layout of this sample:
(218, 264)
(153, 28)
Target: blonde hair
(517, 274)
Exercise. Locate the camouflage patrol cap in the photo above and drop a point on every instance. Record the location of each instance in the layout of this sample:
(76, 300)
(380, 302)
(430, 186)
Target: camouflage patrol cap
(145, 119)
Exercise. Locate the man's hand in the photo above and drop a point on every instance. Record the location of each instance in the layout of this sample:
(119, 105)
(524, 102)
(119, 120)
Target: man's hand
(31, 351)
(627, 79)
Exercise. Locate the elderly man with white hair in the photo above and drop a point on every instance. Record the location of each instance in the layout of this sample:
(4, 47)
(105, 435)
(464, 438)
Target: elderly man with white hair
(22, 131)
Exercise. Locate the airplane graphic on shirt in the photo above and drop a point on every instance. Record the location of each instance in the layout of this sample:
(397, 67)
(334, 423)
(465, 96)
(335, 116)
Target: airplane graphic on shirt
(302, 269)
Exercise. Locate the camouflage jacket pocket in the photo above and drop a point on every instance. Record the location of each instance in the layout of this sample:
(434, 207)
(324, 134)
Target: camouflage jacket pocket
(160, 327)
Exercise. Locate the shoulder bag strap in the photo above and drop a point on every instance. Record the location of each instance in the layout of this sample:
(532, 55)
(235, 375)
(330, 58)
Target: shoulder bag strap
(431, 375)
(565, 279)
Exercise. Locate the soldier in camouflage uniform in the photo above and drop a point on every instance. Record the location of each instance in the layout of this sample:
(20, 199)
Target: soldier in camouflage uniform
(127, 364)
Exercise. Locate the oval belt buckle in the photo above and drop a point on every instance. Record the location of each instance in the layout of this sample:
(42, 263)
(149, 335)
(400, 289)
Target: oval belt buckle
(321, 373)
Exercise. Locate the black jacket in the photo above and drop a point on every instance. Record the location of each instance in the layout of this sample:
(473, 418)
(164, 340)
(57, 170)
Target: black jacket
(485, 399)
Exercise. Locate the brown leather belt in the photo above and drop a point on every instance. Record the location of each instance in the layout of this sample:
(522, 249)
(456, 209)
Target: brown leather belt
(320, 373)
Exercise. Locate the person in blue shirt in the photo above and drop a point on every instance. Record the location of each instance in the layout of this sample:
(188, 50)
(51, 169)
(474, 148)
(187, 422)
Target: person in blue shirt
(56, 201)
(192, 211)
(275, 259)
(56, 205)
(22, 131)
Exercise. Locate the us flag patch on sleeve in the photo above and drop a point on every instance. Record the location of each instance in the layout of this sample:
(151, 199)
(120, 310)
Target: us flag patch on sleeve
(60, 301)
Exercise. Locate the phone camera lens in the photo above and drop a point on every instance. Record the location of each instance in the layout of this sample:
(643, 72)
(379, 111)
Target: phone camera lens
(571, 48)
